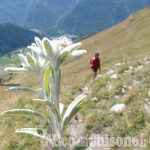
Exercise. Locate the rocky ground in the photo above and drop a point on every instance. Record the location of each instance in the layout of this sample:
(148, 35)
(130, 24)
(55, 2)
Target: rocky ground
(119, 70)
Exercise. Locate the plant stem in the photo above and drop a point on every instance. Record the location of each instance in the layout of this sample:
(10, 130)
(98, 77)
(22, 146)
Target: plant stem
(57, 79)
(42, 85)
(57, 87)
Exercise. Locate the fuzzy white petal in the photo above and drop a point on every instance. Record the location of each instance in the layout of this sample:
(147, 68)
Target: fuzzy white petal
(77, 53)
(15, 70)
(72, 47)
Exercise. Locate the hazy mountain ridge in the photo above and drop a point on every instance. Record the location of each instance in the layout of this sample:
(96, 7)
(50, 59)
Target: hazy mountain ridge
(13, 37)
(33, 13)
(79, 17)
(90, 17)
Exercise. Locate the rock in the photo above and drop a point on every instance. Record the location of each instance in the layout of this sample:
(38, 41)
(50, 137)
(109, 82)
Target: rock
(125, 86)
(114, 76)
(147, 101)
(139, 67)
(148, 62)
(85, 89)
(123, 91)
(130, 67)
(129, 70)
(146, 58)
(147, 108)
(80, 120)
(117, 97)
(110, 87)
(118, 108)
(110, 72)
(118, 64)
(135, 82)
(130, 87)
(100, 75)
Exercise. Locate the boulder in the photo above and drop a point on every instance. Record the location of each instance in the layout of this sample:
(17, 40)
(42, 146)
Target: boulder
(118, 108)
(114, 76)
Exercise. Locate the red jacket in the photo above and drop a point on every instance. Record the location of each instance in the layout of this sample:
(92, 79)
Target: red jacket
(95, 63)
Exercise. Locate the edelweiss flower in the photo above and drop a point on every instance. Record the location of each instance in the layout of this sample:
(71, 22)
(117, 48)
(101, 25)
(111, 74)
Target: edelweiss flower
(56, 51)
(30, 63)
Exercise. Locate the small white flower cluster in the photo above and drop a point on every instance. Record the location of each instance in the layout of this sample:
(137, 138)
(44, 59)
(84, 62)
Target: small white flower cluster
(45, 51)
(64, 41)
(56, 51)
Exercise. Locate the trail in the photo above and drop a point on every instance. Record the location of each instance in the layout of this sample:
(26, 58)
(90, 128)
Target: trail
(77, 128)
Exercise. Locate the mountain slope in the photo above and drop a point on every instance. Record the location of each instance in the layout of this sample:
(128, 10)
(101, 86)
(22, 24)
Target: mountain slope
(13, 37)
(79, 17)
(44, 13)
(13, 11)
(89, 17)
(126, 43)
(33, 13)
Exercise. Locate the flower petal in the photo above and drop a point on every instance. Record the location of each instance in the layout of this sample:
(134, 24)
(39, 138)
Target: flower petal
(48, 47)
(77, 53)
(62, 57)
(36, 57)
(73, 47)
(31, 60)
(39, 43)
(34, 48)
(15, 70)
(23, 60)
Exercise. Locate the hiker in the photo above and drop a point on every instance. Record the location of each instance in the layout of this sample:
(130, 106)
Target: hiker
(95, 64)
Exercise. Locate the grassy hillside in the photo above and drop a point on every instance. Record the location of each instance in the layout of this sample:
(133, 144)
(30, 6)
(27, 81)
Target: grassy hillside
(128, 44)
(13, 37)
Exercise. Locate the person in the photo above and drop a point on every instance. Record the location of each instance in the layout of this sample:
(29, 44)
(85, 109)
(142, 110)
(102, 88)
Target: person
(95, 64)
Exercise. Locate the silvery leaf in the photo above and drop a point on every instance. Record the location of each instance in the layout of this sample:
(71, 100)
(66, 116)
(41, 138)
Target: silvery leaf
(36, 132)
(79, 107)
(25, 89)
(47, 82)
(25, 112)
(70, 108)
(50, 105)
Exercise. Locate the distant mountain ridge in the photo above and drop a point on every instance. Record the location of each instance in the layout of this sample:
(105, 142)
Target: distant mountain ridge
(77, 17)
(37, 14)
(13, 37)
(93, 16)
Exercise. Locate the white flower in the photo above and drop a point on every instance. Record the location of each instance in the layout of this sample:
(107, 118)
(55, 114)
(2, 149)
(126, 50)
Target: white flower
(64, 42)
(30, 63)
(56, 51)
